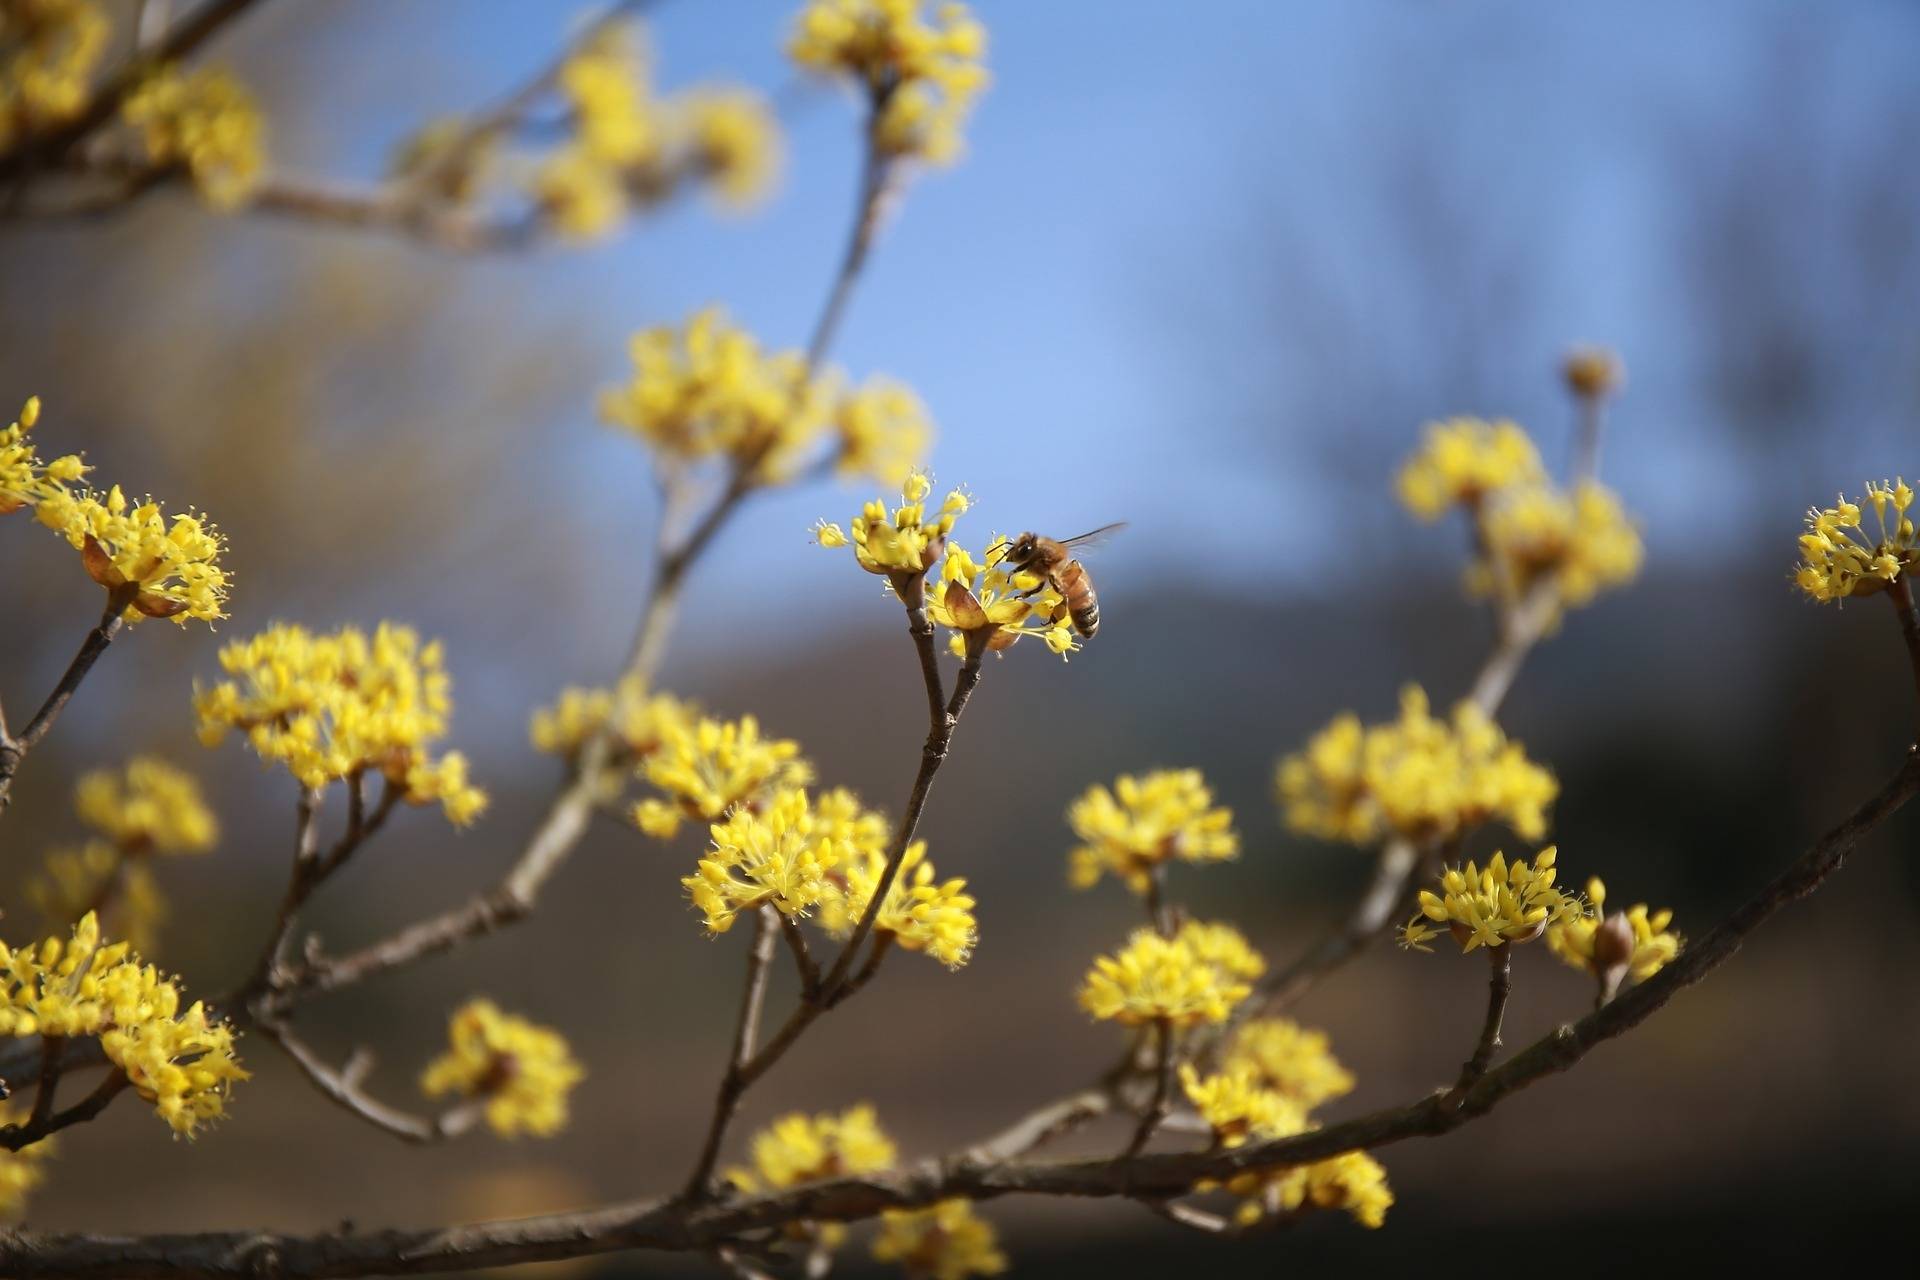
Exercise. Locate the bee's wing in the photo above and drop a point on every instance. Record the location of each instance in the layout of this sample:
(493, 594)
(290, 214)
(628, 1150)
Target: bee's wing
(1095, 537)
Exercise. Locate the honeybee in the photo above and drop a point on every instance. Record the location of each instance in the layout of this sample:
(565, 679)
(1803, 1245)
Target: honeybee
(1052, 560)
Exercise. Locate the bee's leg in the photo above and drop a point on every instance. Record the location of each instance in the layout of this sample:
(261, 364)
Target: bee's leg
(1046, 582)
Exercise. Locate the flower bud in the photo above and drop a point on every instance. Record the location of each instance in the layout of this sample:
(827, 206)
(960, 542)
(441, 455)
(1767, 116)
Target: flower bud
(1592, 373)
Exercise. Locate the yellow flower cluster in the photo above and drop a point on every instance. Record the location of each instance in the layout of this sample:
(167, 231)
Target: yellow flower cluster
(799, 1148)
(1504, 902)
(343, 705)
(48, 52)
(148, 806)
(1583, 542)
(988, 609)
(1417, 777)
(709, 767)
(905, 540)
(921, 912)
(23, 1170)
(944, 1241)
(24, 479)
(884, 431)
(923, 76)
(1239, 1107)
(73, 882)
(630, 147)
(181, 1061)
(171, 568)
(1195, 977)
(1145, 822)
(637, 720)
(1462, 461)
(1642, 943)
(522, 1072)
(1839, 559)
(207, 122)
(778, 856)
(1353, 1181)
(1294, 1061)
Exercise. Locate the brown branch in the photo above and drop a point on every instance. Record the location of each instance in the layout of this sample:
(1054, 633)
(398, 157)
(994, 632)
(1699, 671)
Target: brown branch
(1499, 987)
(1901, 593)
(1157, 1107)
(733, 1082)
(343, 1087)
(14, 749)
(14, 1137)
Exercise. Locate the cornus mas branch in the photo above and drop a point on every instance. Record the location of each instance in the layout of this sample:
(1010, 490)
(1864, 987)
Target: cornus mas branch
(976, 1174)
(14, 749)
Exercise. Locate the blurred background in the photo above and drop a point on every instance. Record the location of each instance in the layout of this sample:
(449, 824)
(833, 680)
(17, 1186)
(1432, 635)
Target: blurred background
(1206, 270)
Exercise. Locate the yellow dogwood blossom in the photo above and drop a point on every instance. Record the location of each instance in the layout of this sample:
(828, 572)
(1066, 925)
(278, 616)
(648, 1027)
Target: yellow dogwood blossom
(149, 805)
(1354, 1181)
(1292, 1060)
(637, 720)
(944, 1241)
(731, 138)
(206, 121)
(709, 767)
(922, 76)
(884, 430)
(1582, 542)
(1839, 558)
(1462, 461)
(170, 568)
(1642, 942)
(1145, 822)
(341, 705)
(1504, 902)
(48, 52)
(1240, 1107)
(72, 882)
(522, 1072)
(988, 609)
(24, 478)
(904, 540)
(1156, 979)
(23, 1170)
(775, 856)
(921, 912)
(799, 1148)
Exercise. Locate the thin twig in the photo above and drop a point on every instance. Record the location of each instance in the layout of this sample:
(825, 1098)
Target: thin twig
(14, 749)
(1157, 1107)
(732, 1082)
(1499, 987)
(14, 1137)
(344, 1088)
(1901, 593)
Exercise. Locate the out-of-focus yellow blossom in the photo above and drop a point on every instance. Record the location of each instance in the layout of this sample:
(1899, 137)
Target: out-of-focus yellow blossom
(923, 75)
(73, 882)
(638, 720)
(207, 121)
(855, 829)
(521, 1071)
(149, 805)
(988, 609)
(709, 767)
(342, 705)
(1462, 461)
(48, 52)
(921, 912)
(1154, 979)
(799, 1148)
(944, 1241)
(447, 157)
(1583, 542)
(23, 1170)
(1146, 822)
(606, 84)
(1840, 559)
(903, 541)
(884, 431)
(172, 566)
(775, 856)
(1504, 902)
(581, 195)
(732, 139)
(24, 479)
(1643, 945)
(1355, 1182)
(1222, 946)
(1417, 777)
(1240, 1107)
(182, 1062)
(1290, 1059)
(707, 389)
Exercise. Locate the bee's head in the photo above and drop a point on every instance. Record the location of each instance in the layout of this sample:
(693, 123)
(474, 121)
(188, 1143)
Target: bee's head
(1020, 550)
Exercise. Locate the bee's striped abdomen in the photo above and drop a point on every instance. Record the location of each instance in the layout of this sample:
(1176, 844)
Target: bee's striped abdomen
(1082, 605)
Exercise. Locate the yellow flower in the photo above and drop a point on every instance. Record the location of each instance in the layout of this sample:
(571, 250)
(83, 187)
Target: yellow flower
(988, 609)
(581, 194)
(732, 139)
(884, 431)
(1644, 945)
(921, 912)
(799, 1148)
(23, 1170)
(605, 84)
(150, 805)
(639, 721)
(207, 121)
(1290, 1059)
(1505, 902)
(711, 766)
(1240, 1107)
(172, 567)
(24, 479)
(1355, 1182)
(708, 390)
(1583, 542)
(73, 882)
(1838, 557)
(48, 52)
(1417, 777)
(340, 705)
(1146, 822)
(523, 1072)
(1462, 461)
(944, 1241)
(923, 76)
(1155, 979)
(775, 857)
(1223, 947)
(905, 539)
